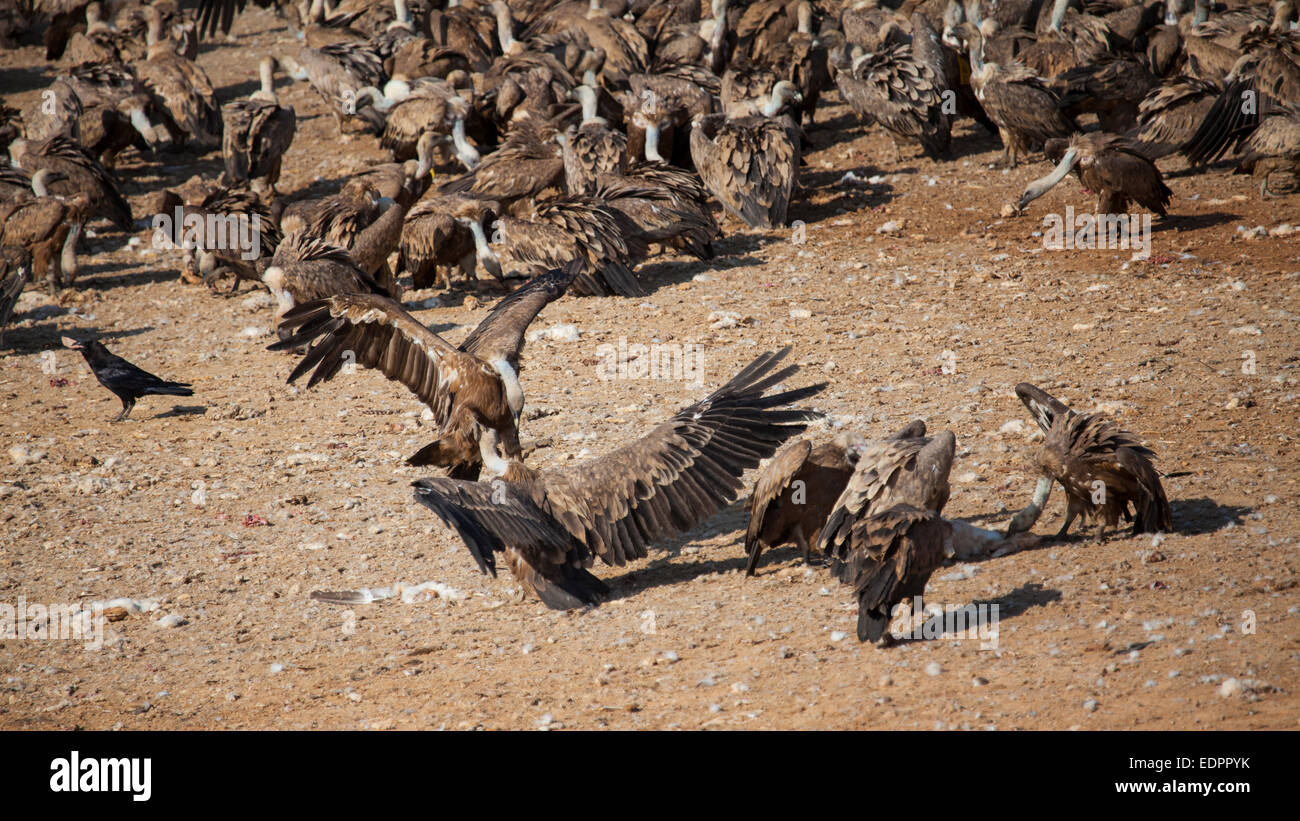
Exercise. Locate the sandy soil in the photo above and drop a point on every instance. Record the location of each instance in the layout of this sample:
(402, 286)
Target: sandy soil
(906, 274)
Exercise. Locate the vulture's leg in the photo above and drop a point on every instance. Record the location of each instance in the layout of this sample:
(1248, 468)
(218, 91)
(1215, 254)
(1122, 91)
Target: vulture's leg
(802, 541)
(752, 564)
(1263, 188)
(1071, 511)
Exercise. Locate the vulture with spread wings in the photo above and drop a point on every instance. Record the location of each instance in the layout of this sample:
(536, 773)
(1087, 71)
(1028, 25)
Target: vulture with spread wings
(552, 526)
(472, 389)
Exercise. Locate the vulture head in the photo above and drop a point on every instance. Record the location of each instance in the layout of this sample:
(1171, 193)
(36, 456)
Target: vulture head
(1041, 186)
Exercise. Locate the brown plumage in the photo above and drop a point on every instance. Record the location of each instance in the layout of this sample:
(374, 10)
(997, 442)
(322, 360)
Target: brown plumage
(338, 73)
(592, 148)
(103, 106)
(439, 233)
(1018, 101)
(1108, 164)
(909, 470)
(305, 268)
(1273, 146)
(885, 535)
(565, 229)
(181, 87)
(523, 166)
(892, 555)
(659, 108)
(257, 131)
(1103, 469)
(473, 389)
(1170, 114)
(245, 217)
(80, 175)
(15, 273)
(1111, 87)
(626, 51)
(431, 106)
(903, 95)
(552, 526)
(339, 218)
(750, 163)
(797, 490)
(656, 214)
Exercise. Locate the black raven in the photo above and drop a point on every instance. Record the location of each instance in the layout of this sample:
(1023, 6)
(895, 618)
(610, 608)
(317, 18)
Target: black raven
(121, 377)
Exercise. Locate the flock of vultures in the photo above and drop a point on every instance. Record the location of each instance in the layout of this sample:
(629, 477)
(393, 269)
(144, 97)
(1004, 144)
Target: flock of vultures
(576, 139)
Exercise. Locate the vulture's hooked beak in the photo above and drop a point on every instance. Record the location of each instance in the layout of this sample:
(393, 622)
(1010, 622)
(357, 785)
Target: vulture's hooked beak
(1039, 187)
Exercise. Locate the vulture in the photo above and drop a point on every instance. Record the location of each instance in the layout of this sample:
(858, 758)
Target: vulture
(1273, 146)
(46, 227)
(565, 229)
(892, 555)
(1018, 101)
(442, 231)
(781, 511)
(664, 205)
(524, 166)
(220, 254)
(256, 133)
(592, 148)
(82, 175)
(103, 106)
(338, 72)
(15, 272)
(472, 389)
(181, 87)
(426, 106)
(1112, 87)
(306, 268)
(553, 525)
(885, 535)
(1170, 114)
(1070, 40)
(750, 163)
(1109, 165)
(1103, 469)
(125, 380)
(903, 94)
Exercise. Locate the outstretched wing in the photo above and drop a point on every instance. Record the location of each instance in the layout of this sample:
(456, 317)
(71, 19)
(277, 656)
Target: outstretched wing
(496, 515)
(501, 333)
(684, 470)
(667, 482)
(375, 332)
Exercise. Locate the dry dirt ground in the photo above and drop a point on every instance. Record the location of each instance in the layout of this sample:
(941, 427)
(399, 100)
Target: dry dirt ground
(307, 490)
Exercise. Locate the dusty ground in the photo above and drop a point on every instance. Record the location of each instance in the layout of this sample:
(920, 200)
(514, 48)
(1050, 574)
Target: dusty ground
(1113, 634)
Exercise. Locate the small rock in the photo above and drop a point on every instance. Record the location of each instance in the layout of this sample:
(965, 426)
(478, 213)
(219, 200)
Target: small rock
(1231, 687)
(1090, 705)
(933, 668)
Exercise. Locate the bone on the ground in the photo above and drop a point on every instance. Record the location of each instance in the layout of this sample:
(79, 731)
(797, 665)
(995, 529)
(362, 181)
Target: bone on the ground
(1028, 517)
(969, 541)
